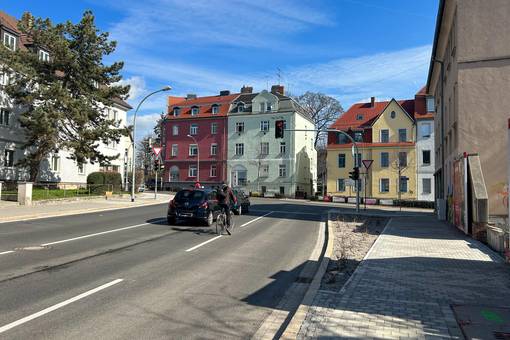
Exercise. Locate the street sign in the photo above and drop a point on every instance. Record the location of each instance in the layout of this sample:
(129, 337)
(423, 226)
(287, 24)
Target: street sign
(367, 163)
(156, 150)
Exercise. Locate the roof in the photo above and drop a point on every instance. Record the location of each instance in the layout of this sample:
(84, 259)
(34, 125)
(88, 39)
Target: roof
(203, 103)
(121, 102)
(11, 23)
(440, 12)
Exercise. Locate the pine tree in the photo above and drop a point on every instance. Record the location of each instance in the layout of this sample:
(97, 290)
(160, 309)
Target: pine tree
(63, 99)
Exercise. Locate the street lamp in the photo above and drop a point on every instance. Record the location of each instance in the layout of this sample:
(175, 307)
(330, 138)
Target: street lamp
(133, 161)
(198, 157)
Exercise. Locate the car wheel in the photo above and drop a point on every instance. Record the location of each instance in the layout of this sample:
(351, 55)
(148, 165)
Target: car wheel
(210, 219)
(171, 220)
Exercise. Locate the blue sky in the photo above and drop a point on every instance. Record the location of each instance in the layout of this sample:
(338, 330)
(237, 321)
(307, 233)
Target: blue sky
(349, 49)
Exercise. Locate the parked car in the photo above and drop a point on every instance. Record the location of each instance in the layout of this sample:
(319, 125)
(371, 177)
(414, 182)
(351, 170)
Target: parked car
(243, 203)
(193, 205)
(141, 188)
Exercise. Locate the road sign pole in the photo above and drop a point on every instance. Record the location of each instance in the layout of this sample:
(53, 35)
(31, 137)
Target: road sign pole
(156, 184)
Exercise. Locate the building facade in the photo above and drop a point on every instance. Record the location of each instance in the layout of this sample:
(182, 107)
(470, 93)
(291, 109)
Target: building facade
(387, 134)
(195, 144)
(57, 167)
(260, 162)
(469, 78)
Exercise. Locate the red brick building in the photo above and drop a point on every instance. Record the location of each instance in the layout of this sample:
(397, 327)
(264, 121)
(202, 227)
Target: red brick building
(195, 146)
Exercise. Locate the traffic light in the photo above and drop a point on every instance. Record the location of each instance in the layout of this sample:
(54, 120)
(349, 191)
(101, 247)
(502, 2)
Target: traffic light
(156, 164)
(354, 174)
(279, 128)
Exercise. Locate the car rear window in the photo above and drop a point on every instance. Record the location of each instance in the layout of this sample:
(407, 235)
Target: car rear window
(190, 195)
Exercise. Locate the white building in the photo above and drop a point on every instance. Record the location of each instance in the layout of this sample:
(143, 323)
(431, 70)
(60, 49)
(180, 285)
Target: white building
(260, 162)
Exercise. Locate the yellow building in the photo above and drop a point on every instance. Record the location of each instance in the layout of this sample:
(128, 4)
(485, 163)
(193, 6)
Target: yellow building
(385, 133)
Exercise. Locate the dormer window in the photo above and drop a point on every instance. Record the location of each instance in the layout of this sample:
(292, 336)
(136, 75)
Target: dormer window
(10, 41)
(240, 107)
(194, 110)
(215, 109)
(269, 107)
(177, 111)
(43, 56)
(262, 107)
(359, 117)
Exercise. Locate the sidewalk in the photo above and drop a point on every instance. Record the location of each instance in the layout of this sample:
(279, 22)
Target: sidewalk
(11, 211)
(407, 284)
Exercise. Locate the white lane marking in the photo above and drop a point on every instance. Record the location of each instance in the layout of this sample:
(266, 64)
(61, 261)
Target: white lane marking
(7, 252)
(96, 234)
(203, 243)
(57, 306)
(288, 212)
(255, 219)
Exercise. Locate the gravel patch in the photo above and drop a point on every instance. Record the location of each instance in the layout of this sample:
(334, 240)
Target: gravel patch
(353, 237)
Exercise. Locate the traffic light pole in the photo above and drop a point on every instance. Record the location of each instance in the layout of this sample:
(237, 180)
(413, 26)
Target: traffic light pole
(354, 156)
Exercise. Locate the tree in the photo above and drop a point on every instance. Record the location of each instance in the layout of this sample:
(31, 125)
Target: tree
(63, 98)
(144, 155)
(323, 109)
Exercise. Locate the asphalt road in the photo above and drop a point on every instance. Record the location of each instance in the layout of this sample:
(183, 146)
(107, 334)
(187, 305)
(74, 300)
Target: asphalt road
(125, 274)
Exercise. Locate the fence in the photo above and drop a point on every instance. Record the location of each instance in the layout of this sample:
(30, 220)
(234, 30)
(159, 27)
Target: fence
(9, 191)
(49, 191)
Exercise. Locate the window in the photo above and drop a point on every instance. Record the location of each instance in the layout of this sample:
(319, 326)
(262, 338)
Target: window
(81, 169)
(269, 106)
(283, 148)
(194, 111)
(193, 150)
(282, 170)
(175, 130)
(393, 114)
(358, 160)
(385, 136)
(403, 184)
(4, 79)
(384, 185)
(402, 159)
(9, 158)
(264, 148)
(425, 130)
(358, 136)
(239, 149)
(55, 163)
(342, 139)
(174, 151)
(177, 111)
(193, 129)
(402, 135)
(425, 154)
(426, 185)
(359, 117)
(240, 127)
(214, 128)
(4, 117)
(213, 171)
(340, 184)
(264, 125)
(215, 109)
(240, 107)
(264, 170)
(192, 170)
(341, 160)
(214, 149)
(43, 56)
(262, 107)
(430, 104)
(9, 41)
(174, 174)
(385, 159)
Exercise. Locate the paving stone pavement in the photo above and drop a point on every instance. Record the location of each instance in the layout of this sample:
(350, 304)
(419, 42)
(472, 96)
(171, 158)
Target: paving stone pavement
(405, 287)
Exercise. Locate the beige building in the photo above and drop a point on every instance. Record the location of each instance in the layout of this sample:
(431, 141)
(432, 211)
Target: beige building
(469, 77)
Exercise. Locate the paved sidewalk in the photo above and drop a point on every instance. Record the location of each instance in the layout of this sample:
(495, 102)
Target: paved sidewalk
(405, 287)
(11, 211)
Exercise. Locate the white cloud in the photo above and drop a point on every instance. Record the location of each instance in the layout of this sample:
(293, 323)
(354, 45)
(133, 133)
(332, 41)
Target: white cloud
(144, 124)
(137, 86)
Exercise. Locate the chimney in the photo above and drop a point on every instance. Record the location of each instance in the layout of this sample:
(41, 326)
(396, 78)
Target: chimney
(278, 89)
(191, 96)
(372, 101)
(224, 93)
(246, 89)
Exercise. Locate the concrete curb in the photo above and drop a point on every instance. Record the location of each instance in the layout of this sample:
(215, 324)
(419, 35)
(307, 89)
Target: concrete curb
(298, 318)
(73, 212)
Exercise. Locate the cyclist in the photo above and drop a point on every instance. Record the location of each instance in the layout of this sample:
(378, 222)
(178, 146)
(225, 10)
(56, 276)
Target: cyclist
(225, 197)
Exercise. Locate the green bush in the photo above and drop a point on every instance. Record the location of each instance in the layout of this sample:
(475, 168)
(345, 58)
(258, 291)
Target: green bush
(414, 204)
(96, 178)
(114, 179)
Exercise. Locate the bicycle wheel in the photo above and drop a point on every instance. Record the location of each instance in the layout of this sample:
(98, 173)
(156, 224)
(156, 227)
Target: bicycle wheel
(230, 228)
(220, 223)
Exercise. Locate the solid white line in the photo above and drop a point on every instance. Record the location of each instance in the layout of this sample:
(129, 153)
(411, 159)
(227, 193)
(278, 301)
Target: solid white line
(255, 219)
(57, 306)
(96, 234)
(7, 252)
(203, 243)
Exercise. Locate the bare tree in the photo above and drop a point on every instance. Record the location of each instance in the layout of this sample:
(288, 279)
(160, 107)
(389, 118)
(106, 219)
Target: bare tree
(323, 109)
(400, 165)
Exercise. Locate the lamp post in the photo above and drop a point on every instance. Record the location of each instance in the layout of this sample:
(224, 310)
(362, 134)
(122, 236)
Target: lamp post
(198, 157)
(133, 161)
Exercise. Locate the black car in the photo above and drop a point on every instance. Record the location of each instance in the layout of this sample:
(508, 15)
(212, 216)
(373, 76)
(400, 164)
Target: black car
(243, 203)
(193, 204)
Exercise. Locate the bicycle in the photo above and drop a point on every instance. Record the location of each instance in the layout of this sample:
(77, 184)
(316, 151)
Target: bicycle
(221, 222)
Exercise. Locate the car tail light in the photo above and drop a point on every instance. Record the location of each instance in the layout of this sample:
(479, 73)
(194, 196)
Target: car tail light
(172, 204)
(204, 205)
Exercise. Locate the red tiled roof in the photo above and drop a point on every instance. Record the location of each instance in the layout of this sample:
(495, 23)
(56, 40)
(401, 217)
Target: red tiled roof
(11, 23)
(370, 145)
(204, 104)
